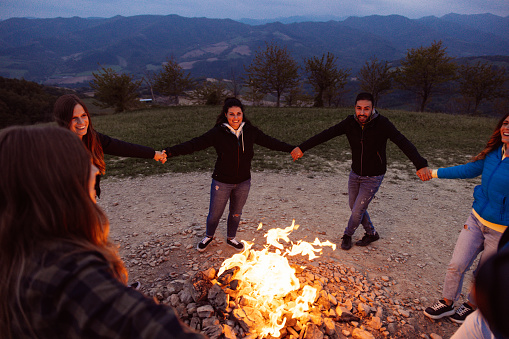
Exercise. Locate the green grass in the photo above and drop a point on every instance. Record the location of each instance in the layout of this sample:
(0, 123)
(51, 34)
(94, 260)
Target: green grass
(443, 139)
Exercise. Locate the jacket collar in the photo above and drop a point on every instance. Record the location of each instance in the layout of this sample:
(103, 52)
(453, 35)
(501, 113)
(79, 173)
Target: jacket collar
(238, 131)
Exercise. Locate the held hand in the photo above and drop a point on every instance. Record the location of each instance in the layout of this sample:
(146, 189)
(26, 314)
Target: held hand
(424, 174)
(296, 153)
(160, 156)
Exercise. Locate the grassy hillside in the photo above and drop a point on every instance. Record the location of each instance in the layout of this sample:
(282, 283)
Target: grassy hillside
(443, 139)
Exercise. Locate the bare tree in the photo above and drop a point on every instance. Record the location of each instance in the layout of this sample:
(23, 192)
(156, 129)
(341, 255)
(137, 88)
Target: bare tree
(234, 86)
(273, 70)
(254, 93)
(481, 82)
(150, 80)
(375, 78)
(325, 77)
(424, 69)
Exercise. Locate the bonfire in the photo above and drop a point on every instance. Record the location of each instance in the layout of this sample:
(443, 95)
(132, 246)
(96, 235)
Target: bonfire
(267, 291)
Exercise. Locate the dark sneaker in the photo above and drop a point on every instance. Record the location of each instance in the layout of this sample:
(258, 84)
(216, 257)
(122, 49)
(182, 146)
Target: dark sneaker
(367, 239)
(439, 310)
(461, 313)
(135, 285)
(346, 244)
(202, 245)
(235, 244)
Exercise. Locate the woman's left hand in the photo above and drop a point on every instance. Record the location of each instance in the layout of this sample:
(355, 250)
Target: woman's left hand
(160, 156)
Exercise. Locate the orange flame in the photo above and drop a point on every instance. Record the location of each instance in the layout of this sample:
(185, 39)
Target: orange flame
(267, 279)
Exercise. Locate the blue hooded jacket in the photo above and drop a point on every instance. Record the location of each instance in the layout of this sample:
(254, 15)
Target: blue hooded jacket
(491, 198)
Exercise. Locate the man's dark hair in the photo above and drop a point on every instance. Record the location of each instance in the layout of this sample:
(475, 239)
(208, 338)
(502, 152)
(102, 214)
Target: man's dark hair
(365, 96)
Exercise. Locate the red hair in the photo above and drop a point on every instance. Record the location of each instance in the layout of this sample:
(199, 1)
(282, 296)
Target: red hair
(63, 113)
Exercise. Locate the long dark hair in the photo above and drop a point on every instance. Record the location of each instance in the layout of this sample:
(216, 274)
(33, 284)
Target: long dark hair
(494, 142)
(44, 202)
(231, 102)
(63, 112)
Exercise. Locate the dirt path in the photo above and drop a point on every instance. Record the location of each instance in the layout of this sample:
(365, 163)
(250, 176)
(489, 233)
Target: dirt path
(158, 221)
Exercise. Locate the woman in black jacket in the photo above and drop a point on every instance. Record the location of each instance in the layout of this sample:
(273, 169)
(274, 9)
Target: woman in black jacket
(233, 137)
(70, 112)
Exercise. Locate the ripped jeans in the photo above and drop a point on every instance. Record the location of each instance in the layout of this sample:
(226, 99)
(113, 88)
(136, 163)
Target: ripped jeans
(361, 190)
(220, 193)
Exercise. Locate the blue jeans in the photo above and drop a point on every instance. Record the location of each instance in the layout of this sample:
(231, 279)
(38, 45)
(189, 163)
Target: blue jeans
(474, 238)
(361, 190)
(220, 193)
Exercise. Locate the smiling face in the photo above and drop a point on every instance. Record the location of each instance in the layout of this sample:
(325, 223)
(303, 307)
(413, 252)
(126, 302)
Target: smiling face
(79, 122)
(504, 132)
(234, 116)
(363, 110)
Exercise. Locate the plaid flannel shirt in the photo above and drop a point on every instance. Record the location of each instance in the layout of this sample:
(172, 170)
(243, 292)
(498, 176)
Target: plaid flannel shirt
(69, 293)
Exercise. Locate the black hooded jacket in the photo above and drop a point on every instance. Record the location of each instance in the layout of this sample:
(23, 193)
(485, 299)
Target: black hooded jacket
(234, 155)
(368, 144)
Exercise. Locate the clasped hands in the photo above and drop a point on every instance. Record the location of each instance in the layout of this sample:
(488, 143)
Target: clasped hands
(296, 153)
(160, 156)
(424, 174)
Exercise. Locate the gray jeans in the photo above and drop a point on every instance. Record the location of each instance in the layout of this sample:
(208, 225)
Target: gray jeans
(474, 238)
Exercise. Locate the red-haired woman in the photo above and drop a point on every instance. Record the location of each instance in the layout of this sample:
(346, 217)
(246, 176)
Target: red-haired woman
(70, 112)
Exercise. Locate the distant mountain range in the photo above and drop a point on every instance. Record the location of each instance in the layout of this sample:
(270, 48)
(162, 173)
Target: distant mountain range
(49, 50)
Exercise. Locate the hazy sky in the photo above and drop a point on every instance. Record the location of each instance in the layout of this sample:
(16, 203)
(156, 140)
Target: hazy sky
(253, 9)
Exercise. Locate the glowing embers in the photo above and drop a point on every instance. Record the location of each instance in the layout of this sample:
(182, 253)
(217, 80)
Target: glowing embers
(268, 292)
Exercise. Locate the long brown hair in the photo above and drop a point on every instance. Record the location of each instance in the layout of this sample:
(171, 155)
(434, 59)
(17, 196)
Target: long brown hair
(44, 202)
(63, 112)
(494, 142)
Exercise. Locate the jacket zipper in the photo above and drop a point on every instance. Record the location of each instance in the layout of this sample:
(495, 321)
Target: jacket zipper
(238, 157)
(362, 149)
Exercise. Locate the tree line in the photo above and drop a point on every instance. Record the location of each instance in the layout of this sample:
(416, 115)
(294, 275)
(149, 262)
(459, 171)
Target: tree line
(424, 72)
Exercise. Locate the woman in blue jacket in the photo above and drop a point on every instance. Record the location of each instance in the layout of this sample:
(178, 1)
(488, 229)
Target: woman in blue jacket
(484, 227)
(233, 137)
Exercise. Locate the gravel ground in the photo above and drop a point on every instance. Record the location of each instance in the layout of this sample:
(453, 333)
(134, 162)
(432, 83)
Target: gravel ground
(158, 220)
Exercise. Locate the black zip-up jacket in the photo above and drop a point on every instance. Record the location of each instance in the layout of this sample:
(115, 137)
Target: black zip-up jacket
(368, 144)
(233, 164)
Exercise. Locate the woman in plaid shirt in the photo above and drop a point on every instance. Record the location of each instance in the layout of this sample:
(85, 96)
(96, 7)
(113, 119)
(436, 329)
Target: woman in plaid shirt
(60, 277)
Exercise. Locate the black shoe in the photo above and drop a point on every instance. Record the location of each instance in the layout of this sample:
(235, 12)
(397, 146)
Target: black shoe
(235, 244)
(439, 310)
(202, 245)
(135, 285)
(461, 313)
(346, 244)
(367, 239)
